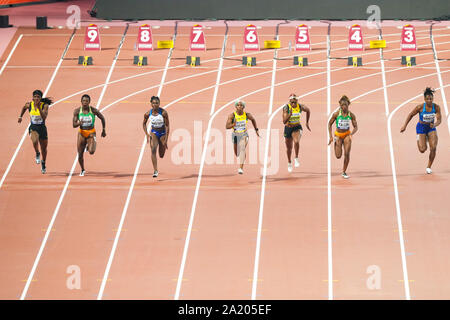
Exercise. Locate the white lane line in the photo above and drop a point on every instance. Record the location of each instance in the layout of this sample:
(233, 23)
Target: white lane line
(444, 99)
(216, 89)
(329, 212)
(60, 200)
(263, 186)
(16, 152)
(130, 191)
(11, 53)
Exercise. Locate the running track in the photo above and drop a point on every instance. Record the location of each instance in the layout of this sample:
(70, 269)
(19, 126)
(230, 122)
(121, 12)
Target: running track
(200, 231)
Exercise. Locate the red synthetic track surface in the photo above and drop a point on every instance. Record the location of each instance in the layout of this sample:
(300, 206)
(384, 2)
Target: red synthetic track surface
(193, 232)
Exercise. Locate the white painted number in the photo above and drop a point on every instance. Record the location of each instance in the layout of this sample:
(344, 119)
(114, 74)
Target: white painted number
(251, 37)
(356, 36)
(92, 35)
(197, 33)
(409, 36)
(302, 37)
(145, 36)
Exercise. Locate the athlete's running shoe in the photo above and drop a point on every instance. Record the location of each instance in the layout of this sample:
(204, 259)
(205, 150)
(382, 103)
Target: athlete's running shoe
(429, 170)
(240, 171)
(155, 174)
(296, 162)
(82, 173)
(290, 167)
(43, 168)
(345, 176)
(38, 157)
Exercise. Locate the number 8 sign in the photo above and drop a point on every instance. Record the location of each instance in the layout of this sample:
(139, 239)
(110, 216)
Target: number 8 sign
(145, 38)
(92, 38)
(250, 38)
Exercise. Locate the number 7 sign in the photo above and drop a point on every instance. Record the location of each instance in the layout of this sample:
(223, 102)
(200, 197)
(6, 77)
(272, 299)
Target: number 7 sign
(92, 38)
(197, 39)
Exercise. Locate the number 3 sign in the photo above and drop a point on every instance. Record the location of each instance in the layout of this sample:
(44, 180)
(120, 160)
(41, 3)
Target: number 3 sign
(92, 38)
(408, 38)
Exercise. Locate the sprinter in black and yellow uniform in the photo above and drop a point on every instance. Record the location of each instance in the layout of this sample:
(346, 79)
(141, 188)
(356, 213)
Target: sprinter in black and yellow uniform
(342, 135)
(84, 117)
(292, 127)
(38, 109)
(238, 122)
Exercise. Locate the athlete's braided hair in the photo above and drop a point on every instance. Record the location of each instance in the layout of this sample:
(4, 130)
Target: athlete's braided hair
(428, 92)
(344, 98)
(47, 100)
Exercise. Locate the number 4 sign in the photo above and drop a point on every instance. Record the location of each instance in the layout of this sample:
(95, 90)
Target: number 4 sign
(250, 38)
(145, 38)
(355, 38)
(408, 38)
(92, 38)
(197, 38)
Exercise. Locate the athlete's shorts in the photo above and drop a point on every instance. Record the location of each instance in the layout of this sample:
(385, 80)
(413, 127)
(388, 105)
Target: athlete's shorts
(423, 128)
(342, 135)
(41, 129)
(236, 136)
(159, 134)
(288, 130)
(87, 133)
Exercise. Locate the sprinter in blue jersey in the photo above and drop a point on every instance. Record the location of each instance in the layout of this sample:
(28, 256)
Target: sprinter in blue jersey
(429, 119)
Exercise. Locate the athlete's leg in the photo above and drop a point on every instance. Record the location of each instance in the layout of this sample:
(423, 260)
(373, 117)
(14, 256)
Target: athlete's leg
(347, 148)
(432, 140)
(162, 145)
(422, 142)
(81, 145)
(242, 146)
(35, 140)
(91, 143)
(289, 142)
(338, 147)
(154, 141)
(296, 135)
(43, 143)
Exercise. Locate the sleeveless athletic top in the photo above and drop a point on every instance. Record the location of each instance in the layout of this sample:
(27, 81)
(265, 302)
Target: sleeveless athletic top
(426, 116)
(157, 121)
(87, 120)
(295, 116)
(241, 122)
(35, 114)
(343, 123)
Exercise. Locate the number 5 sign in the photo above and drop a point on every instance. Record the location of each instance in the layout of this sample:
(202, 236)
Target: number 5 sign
(408, 38)
(145, 38)
(302, 38)
(355, 38)
(197, 38)
(92, 38)
(250, 38)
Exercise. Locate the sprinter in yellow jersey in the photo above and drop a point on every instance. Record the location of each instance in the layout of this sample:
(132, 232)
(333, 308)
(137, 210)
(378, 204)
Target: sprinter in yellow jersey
(84, 117)
(292, 128)
(342, 135)
(238, 122)
(38, 109)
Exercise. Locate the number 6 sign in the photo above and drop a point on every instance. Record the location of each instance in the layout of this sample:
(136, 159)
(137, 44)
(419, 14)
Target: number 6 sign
(250, 38)
(92, 38)
(197, 38)
(408, 38)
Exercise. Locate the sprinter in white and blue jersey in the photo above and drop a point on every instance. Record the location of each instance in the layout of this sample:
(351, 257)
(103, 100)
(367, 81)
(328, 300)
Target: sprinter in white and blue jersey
(159, 121)
(429, 119)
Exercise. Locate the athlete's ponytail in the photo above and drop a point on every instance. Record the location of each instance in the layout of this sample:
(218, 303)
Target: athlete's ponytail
(428, 92)
(46, 100)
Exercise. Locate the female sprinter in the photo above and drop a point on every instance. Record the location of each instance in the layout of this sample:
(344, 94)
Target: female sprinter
(293, 128)
(342, 135)
(38, 109)
(159, 121)
(238, 122)
(426, 127)
(84, 117)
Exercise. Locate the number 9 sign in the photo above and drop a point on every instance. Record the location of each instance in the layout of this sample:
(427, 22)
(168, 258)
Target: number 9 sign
(92, 38)
(250, 38)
